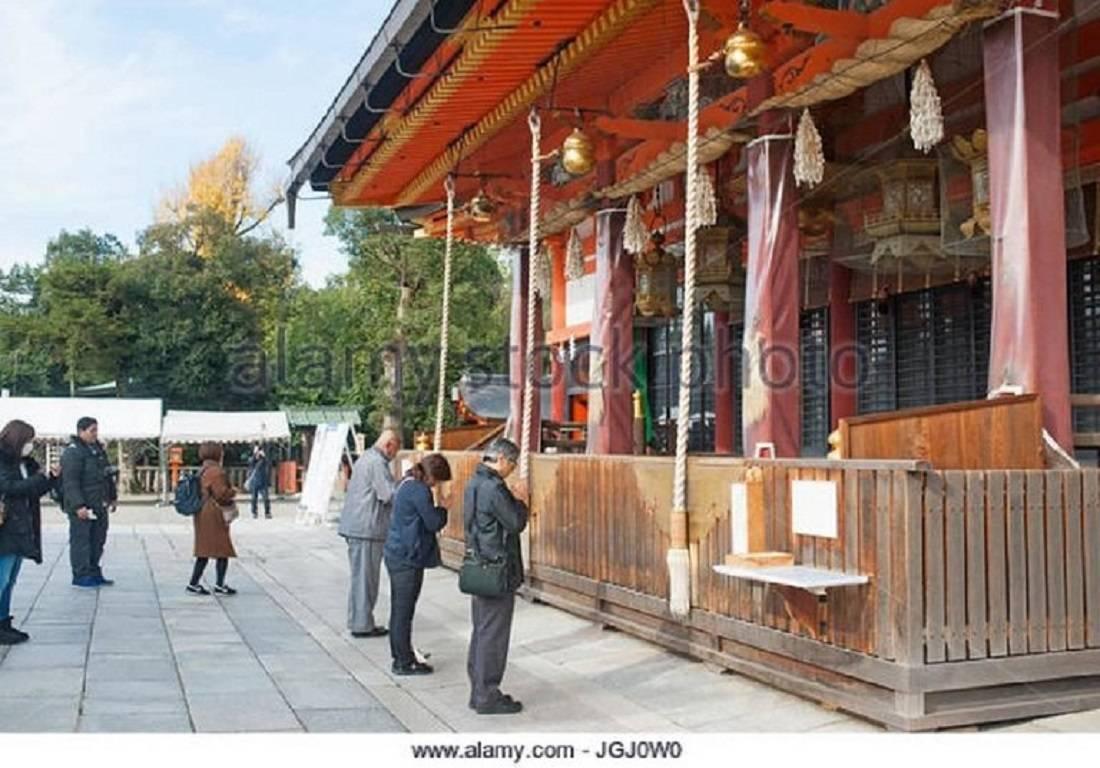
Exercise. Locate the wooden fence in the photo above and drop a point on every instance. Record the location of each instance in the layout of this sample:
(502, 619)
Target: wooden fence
(983, 601)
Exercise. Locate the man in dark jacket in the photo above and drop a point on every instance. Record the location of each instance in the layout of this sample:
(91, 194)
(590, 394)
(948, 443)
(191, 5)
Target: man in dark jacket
(495, 518)
(259, 480)
(90, 496)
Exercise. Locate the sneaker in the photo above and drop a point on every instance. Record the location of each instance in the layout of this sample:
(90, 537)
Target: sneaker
(503, 705)
(472, 705)
(104, 581)
(5, 626)
(197, 589)
(12, 637)
(413, 668)
(87, 582)
(224, 589)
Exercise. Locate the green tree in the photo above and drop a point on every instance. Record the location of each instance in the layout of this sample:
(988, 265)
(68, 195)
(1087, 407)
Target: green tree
(395, 286)
(25, 367)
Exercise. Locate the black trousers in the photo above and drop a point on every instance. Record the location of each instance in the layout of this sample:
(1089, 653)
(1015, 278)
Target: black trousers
(488, 656)
(87, 538)
(221, 565)
(405, 584)
(266, 493)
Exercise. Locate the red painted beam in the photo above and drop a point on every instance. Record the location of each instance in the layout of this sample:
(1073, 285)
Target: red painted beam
(809, 18)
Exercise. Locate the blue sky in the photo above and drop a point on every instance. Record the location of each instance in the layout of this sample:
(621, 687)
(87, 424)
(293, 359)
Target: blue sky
(105, 104)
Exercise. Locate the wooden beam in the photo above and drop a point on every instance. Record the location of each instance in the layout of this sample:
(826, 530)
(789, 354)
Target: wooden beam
(630, 128)
(809, 18)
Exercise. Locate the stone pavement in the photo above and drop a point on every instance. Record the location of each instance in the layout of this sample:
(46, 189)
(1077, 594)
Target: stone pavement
(144, 656)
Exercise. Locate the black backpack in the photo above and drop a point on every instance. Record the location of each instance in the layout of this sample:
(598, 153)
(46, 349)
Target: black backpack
(188, 499)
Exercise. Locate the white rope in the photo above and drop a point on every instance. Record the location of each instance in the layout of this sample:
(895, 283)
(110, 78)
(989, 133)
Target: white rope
(535, 124)
(445, 325)
(687, 327)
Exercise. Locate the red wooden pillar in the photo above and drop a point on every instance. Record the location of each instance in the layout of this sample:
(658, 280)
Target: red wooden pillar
(771, 393)
(611, 359)
(1030, 338)
(723, 384)
(843, 353)
(517, 358)
(559, 373)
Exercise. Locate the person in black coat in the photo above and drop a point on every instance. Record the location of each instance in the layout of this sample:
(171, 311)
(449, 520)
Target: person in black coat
(494, 517)
(22, 486)
(90, 496)
(411, 546)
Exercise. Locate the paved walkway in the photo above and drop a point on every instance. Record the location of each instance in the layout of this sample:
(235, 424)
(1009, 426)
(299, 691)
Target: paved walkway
(145, 656)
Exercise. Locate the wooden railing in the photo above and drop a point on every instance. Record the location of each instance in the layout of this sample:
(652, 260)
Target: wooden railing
(983, 592)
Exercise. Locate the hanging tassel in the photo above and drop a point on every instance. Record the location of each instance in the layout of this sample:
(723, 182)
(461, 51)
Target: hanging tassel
(574, 257)
(809, 157)
(542, 273)
(925, 110)
(635, 234)
(707, 206)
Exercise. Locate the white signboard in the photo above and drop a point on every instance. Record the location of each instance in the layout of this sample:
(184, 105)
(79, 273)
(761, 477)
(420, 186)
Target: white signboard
(813, 508)
(739, 519)
(329, 444)
(580, 295)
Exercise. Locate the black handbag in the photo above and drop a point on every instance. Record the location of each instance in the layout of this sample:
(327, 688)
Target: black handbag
(480, 576)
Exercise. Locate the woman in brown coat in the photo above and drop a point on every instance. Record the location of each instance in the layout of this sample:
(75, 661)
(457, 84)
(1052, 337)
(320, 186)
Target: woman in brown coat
(211, 530)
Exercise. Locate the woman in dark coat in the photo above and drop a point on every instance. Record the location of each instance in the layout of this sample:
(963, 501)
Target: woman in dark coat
(212, 538)
(411, 546)
(22, 486)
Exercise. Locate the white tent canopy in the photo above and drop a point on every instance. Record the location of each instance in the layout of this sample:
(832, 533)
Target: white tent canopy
(224, 426)
(54, 418)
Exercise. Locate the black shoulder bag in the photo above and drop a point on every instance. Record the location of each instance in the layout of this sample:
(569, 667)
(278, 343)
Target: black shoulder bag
(478, 575)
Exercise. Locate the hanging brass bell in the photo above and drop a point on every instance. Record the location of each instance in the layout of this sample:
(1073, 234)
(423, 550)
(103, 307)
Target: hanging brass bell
(578, 155)
(481, 208)
(746, 53)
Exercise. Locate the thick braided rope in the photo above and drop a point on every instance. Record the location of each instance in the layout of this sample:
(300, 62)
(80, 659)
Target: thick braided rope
(687, 326)
(535, 124)
(445, 326)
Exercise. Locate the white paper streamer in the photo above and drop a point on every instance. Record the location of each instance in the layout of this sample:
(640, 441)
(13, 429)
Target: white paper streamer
(809, 158)
(708, 201)
(635, 234)
(574, 257)
(925, 110)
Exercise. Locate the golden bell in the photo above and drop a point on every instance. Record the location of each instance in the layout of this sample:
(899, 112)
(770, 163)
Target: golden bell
(578, 156)
(746, 53)
(481, 208)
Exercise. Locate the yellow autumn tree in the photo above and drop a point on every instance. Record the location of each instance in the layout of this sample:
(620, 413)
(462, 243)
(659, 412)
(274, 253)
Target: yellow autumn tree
(220, 197)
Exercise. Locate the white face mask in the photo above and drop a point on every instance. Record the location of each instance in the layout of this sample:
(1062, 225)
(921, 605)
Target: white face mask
(28, 449)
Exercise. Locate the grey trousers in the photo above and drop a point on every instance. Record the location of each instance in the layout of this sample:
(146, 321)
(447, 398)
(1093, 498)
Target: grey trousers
(488, 656)
(365, 561)
(87, 539)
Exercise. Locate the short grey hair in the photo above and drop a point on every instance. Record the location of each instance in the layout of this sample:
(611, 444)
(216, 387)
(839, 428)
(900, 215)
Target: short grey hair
(502, 448)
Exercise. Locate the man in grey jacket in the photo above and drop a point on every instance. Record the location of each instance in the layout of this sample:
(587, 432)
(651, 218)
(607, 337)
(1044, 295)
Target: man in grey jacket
(364, 524)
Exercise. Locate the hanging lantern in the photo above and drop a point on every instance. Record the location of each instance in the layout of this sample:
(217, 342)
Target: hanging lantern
(925, 110)
(481, 208)
(635, 234)
(707, 205)
(655, 280)
(809, 157)
(719, 277)
(974, 152)
(578, 155)
(574, 257)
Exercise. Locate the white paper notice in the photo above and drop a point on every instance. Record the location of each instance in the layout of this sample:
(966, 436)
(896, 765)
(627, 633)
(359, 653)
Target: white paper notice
(813, 508)
(739, 519)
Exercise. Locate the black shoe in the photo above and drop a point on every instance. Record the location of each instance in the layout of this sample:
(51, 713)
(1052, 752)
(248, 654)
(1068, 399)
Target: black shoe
(254, 516)
(197, 589)
(504, 705)
(11, 637)
(224, 589)
(268, 515)
(376, 632)
(414, 668)
(5, 626)
(104, 581)
(472, 705)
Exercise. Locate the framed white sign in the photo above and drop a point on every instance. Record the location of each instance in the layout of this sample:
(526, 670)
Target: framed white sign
(739, 519)
(813, 508)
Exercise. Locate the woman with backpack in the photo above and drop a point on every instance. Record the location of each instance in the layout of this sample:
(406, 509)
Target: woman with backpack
(411, 546)
(212, 521)
(22, 486)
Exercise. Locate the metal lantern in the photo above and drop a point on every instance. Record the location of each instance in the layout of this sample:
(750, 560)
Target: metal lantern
(655, 280)
(746, 53)
(719, 276)
(481, 208)
(578, 155)
(974, 152)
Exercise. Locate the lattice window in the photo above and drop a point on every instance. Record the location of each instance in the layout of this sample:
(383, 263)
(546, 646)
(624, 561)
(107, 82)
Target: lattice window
(1084, 320)
(814, 331)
